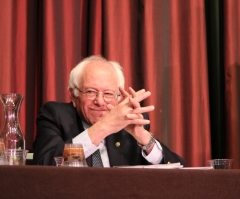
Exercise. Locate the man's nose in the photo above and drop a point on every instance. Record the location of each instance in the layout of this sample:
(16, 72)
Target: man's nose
(99, 98)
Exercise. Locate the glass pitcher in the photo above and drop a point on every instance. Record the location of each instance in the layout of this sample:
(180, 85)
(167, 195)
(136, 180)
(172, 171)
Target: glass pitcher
(11, 133)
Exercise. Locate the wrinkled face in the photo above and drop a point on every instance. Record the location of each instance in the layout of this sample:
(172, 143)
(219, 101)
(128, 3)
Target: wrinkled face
(97, 76)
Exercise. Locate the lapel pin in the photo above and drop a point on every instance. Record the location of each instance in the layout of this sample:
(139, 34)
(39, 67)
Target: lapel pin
(117, 144)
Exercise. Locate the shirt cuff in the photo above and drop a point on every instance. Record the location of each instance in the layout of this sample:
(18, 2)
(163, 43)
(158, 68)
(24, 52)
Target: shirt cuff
(156, 155)
(88, 147)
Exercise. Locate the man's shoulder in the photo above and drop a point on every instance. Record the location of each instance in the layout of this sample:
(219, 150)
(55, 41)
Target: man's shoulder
(58, 111)
(57, 106)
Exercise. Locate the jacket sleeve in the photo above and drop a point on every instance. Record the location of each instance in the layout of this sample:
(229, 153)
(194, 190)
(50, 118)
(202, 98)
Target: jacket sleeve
(49, 139)
(168, 155)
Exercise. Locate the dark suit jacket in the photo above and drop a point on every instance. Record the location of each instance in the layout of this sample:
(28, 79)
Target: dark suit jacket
(58, 123)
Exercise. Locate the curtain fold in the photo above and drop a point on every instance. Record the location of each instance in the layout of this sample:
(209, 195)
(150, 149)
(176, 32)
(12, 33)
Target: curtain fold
(215, 48)
(189, 105)
(232, 74)
(13, 51)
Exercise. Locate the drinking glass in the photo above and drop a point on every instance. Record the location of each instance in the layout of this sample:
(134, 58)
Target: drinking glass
(16, 156)
(2, 149)
(221, 163)
(73, 155)
(59, 161)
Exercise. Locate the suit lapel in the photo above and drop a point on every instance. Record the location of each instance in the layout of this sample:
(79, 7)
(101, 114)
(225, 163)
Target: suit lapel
(114, 146)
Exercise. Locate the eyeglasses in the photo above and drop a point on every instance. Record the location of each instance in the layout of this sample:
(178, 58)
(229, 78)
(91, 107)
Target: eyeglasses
(92, 94)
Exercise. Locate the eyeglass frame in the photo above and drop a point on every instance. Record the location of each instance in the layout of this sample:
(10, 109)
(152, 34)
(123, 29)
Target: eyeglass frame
(96, 94)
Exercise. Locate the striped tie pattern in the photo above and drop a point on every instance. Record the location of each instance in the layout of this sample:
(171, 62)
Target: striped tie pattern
(96, 159)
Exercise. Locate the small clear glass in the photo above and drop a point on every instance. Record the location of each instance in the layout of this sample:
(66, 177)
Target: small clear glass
(221, 163)
(15, 156)
(59, 161)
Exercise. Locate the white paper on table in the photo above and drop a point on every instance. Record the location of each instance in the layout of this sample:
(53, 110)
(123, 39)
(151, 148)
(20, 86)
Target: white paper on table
(155, 166)
(197, 168)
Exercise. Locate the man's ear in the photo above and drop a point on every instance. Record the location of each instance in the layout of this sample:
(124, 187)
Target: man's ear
(72, 96)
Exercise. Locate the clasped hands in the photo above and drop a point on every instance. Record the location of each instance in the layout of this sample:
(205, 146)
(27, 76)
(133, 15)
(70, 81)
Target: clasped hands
(127, 115)
(130, 108)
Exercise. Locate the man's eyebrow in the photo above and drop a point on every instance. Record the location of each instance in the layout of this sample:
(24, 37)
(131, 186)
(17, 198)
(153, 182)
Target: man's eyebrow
(105, 90)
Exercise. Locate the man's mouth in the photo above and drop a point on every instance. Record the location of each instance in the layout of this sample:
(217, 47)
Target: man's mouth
(98, 112)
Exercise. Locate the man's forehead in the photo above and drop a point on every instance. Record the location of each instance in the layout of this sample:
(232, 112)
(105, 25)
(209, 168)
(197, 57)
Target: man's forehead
(99, 67)
(99, 63)
(99, 74)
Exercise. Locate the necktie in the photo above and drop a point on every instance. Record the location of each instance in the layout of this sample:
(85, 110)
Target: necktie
(96, 159)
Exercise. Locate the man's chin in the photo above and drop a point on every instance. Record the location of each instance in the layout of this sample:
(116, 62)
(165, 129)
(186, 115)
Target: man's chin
(96, 117)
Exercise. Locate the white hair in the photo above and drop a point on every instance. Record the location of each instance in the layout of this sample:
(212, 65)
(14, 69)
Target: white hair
(76, 73)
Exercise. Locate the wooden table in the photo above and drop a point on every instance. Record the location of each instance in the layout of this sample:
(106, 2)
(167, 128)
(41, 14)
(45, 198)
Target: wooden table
(66, 182)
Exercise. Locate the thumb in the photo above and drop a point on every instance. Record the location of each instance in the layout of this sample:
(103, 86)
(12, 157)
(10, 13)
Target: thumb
(110, 107)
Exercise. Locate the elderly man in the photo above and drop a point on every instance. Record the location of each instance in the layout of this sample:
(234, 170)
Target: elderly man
(103, 116)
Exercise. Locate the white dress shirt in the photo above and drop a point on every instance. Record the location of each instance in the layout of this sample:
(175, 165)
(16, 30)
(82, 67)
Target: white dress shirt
(154, 157)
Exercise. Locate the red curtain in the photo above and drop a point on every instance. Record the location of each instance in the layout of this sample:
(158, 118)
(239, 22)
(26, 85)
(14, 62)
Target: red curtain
(232, 75)
(160, 44)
